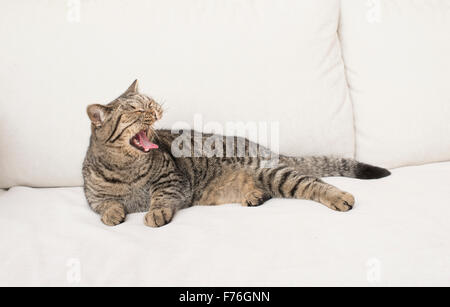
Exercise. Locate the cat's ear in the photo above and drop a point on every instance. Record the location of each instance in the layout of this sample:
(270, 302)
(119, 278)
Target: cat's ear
(97, 113)
(133, 89)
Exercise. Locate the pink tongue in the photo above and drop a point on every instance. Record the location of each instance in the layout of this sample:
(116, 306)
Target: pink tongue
(145, 142)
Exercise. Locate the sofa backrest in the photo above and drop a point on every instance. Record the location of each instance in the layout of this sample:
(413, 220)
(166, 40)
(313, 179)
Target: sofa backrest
(226, 60)
(263, 62)
(397, 57)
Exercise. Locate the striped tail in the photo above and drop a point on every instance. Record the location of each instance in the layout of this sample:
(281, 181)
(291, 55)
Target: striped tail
(330, 166)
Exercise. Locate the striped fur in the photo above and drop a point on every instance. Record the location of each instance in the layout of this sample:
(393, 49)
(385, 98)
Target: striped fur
(120, 179)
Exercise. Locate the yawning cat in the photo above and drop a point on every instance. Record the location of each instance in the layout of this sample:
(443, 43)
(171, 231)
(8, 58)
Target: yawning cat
(130, 167)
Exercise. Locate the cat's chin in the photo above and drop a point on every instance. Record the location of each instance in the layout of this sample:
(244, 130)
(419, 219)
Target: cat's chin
(141, 142)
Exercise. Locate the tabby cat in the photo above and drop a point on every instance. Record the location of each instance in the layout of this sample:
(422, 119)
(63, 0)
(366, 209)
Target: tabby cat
(130, 167)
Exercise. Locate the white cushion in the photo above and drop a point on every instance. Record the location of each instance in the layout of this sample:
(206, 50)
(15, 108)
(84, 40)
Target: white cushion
(392, 237)
(227, 60)
(397, 56)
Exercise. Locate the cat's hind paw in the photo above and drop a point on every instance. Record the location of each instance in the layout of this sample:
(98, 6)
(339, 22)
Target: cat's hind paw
(255, 198)
(342, 201)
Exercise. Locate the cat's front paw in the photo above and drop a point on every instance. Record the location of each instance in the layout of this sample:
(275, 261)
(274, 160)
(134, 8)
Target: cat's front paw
(159, 217)
(113, 216)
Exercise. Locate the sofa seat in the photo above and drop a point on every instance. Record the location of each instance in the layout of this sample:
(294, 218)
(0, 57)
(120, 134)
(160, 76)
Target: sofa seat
(397, 234)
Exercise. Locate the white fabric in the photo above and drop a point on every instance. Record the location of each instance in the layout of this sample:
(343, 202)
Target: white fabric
(397, 234)
(397, 60)
(228, 60)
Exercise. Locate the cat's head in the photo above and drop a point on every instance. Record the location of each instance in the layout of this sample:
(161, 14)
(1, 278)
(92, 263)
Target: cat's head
(125, 125)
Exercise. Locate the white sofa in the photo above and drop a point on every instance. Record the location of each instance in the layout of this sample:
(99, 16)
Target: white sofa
(351, 78)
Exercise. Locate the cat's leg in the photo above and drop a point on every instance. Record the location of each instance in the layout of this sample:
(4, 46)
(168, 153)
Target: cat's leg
(287, 182)
(164, 203)
(326, 194)
(112, 212)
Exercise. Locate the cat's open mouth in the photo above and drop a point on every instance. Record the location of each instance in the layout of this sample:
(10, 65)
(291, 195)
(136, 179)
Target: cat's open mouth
(141, 142)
